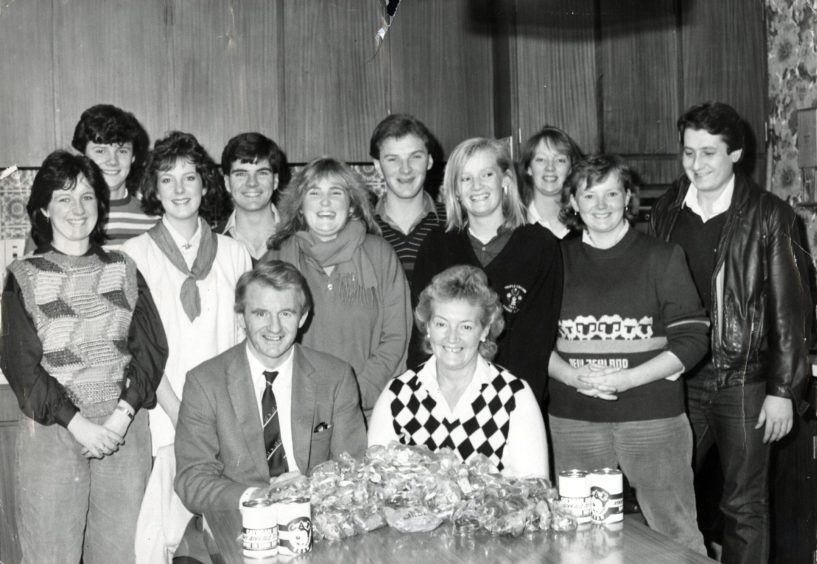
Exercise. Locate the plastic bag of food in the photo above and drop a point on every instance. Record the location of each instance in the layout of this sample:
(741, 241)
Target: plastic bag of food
(561, 520)
(445, 497)
(332, 525)
(368, 518)
(465, 517)
(541, 516)
(480, 464)
(376, 453)
(415, 519)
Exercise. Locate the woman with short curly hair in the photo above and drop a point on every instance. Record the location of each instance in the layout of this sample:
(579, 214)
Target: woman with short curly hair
(458, 399)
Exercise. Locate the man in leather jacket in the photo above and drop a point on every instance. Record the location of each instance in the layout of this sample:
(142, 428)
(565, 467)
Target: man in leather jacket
(741, 246)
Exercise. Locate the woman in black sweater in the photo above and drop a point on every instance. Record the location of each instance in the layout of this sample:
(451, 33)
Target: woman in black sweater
(486, 228)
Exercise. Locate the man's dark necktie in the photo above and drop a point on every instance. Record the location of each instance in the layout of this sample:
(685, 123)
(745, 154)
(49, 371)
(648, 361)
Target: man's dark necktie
(276, 458)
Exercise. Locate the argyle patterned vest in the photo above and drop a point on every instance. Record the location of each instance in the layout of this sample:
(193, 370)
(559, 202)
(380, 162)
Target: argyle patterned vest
(418, 421)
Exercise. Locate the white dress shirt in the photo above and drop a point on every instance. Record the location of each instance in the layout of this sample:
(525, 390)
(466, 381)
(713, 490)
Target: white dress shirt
(556, 227)
(720, 205)
(231, 230)
(282, 388)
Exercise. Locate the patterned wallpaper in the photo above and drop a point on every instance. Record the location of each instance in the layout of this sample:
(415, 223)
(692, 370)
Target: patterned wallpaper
(791, 26)
(13, 198)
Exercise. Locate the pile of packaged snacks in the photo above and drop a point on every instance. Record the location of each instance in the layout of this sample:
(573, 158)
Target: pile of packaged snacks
(413, 489)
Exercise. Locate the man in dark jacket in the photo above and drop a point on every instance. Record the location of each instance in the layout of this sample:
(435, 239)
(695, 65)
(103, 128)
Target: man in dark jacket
(739, 244)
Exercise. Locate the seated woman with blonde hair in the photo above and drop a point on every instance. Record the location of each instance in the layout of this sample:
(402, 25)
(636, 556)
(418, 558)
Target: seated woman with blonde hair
(459, 399)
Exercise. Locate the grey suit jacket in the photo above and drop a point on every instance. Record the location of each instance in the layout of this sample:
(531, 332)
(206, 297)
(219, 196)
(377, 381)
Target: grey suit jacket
(219, 438)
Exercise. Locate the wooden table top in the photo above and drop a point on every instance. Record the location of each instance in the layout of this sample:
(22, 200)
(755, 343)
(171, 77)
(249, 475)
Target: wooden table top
(632, 543)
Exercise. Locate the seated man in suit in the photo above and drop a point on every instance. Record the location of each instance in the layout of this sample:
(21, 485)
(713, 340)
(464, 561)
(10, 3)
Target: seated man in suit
(265, 406)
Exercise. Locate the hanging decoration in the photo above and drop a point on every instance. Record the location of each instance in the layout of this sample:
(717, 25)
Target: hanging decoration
(390, 9)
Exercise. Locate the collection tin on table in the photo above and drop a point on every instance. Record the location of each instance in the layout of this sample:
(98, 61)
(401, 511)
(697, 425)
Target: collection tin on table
(276, 527)
(596, 495)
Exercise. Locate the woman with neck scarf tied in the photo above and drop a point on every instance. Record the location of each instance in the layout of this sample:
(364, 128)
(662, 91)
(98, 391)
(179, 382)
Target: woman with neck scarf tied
(192, 273)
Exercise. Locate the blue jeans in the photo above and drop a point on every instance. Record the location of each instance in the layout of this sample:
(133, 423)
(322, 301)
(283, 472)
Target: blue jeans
(71, 506)
(656, 457)
(726, 418)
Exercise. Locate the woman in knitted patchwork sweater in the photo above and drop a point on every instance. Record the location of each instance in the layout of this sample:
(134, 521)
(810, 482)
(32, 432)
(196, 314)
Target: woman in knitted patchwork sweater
(84, 350)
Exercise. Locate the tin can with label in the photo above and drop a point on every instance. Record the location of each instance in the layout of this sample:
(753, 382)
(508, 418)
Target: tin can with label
(294, 526)
(574, 493)
(606, 494)
(259, 521)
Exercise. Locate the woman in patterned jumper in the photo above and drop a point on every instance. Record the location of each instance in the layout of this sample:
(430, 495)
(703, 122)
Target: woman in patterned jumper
(84, 350)
(631, 324)
(442, 405)
(361, 296)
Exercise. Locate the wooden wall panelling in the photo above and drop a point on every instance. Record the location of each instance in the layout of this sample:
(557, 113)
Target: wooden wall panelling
(506, 87)
(227, 69)
(724, 58)
(110, 51)
(657, 172)
(639, 76)
(441, 67)
(26, 86)
(656, 169)
(334, 86)
(556, 68)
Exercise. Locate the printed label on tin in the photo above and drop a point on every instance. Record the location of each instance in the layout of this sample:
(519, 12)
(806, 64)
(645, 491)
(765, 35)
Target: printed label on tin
(295, 537)
(578, 507)
(606, 506)
(260, 540)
